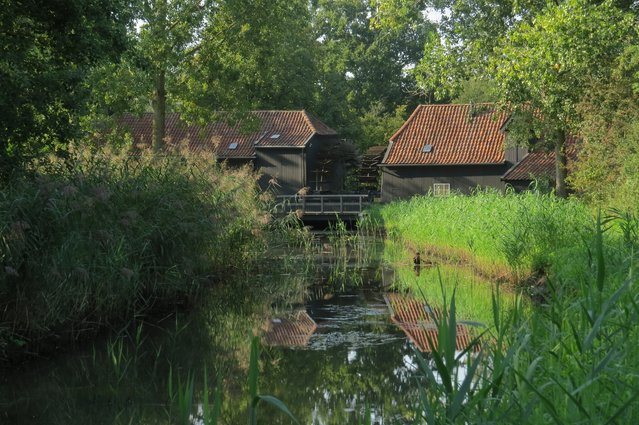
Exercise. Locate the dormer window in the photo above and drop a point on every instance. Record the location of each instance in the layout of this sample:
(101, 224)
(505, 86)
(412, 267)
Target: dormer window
(233, 145)
(427, 148)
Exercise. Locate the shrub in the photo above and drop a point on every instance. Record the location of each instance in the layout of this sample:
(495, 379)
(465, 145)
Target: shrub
(101, 236)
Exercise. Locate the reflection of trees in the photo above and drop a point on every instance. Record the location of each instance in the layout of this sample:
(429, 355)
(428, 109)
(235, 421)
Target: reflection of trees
(125, 379)
(326, 385)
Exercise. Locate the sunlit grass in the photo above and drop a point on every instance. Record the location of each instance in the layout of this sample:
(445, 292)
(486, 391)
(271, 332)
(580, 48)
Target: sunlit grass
(514, 234)
(571, 358)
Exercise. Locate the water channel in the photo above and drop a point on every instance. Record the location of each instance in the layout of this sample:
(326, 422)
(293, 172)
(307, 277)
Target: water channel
(330, 349)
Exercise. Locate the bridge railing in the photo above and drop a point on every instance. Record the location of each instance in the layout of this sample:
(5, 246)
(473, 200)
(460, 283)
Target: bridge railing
(322, 204)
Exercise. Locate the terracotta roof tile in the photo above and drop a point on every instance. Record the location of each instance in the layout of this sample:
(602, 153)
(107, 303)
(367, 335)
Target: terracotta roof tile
(540, 164)
(458, 134)
(535, 164)
(418, 321)
(290, 332)
(276, 128)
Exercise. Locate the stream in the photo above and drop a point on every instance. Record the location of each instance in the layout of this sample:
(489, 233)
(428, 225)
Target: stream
(330, 351)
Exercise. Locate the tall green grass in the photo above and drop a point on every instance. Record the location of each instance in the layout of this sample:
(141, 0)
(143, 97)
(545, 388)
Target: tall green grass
(572, 361)
(573, 358)
(100, 237)
(499, 234)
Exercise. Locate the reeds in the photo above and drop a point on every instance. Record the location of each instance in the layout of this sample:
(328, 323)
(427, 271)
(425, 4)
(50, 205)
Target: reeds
(520, 234)
(101, 237)
(572, 360)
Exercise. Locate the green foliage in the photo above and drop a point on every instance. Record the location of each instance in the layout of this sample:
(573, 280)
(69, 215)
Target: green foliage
(102, 237)
(364, 49)
(549, 61)
(543, 67)
(523, 233)
(47, 51)
(477, 91)
(567, 361)
(605, 172)
(469, 32)
(377, 127)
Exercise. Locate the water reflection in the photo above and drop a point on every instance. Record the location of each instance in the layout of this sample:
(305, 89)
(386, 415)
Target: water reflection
(332, 352)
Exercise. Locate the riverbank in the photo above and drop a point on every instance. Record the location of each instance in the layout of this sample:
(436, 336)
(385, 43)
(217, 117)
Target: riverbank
(102, 238)
(504, 238)
(569, 360)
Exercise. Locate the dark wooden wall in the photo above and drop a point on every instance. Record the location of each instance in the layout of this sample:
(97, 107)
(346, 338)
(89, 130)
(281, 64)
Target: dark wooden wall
(404, 182)
(334, 180)
(514, 155)
(286, 165)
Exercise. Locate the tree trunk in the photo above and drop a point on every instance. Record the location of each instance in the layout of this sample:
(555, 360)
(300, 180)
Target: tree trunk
(560, 164)
(159, 112)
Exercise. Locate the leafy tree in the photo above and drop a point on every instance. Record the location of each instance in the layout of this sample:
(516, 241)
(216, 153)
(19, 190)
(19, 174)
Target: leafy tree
(378, 126)
(543, 67)
(467, 35)
(254, 55)
(608, 166)
(365, 49)
(200, 57)
(477, 91)
(47, 51)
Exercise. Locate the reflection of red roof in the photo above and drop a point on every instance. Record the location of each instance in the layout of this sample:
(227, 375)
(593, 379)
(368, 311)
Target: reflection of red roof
(426, 337)
(290, 332)
(458, 134)
(417, 320)
(274, 128)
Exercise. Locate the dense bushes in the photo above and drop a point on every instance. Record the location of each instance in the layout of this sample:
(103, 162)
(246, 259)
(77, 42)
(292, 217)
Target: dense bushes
(102, 236)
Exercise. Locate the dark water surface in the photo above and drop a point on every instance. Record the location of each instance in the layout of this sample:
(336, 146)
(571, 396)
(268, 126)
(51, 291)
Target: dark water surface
(355, 359)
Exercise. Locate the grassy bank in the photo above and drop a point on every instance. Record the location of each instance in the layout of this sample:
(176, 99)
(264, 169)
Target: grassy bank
(101, 237)
(573, 358)
(503, 236)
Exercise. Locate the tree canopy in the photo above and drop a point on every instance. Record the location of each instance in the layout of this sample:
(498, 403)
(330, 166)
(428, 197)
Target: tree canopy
(47, 50)
(536, 58)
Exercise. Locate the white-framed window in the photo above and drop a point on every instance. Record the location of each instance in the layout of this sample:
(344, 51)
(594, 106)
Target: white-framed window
(441, 189)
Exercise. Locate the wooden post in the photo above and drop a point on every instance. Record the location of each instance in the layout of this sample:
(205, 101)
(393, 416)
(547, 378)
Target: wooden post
(341, 204)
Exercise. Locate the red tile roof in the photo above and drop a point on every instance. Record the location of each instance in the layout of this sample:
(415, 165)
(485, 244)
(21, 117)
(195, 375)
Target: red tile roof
(276, 128)
(418, 321)
(540, 164)
(458, 134)
(535, 164)
(290, 332)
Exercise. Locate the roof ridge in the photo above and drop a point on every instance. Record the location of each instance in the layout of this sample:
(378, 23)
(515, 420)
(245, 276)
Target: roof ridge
(403, 127)
(309, 122)
(457, 104)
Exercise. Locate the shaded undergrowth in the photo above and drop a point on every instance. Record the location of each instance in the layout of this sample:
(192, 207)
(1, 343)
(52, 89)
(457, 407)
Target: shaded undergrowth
(100, 237)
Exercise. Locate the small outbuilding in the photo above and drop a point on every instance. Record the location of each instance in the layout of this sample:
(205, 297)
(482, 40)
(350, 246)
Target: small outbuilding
(289, 148)
(539, 166)
(445, 148)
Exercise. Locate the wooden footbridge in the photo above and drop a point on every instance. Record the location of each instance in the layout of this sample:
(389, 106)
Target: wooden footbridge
(345, 207)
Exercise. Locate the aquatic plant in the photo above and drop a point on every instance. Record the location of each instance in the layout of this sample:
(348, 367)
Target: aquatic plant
(503, 236)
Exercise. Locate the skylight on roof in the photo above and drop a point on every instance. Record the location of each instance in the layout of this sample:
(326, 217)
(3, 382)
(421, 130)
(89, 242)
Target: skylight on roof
(275, 136)
(233, 145)
(427, 148)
